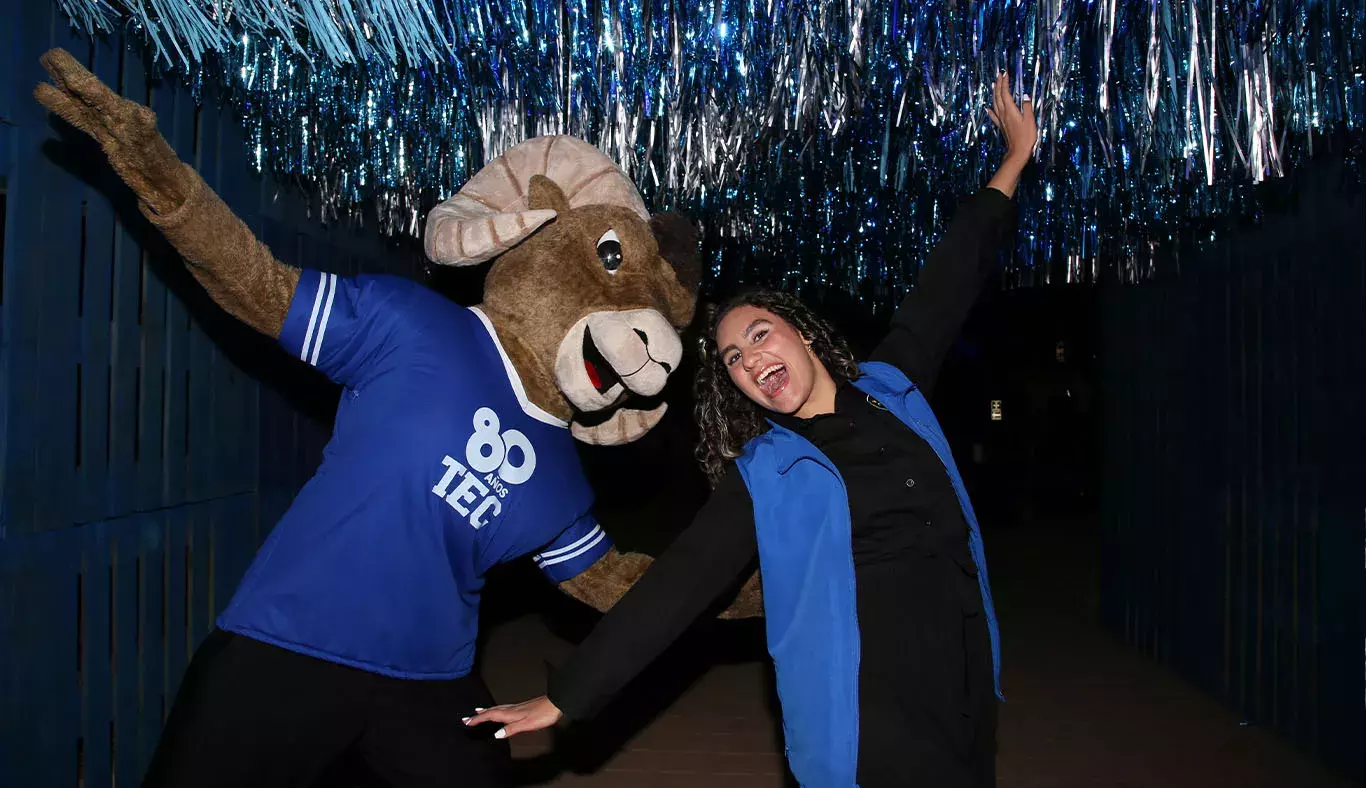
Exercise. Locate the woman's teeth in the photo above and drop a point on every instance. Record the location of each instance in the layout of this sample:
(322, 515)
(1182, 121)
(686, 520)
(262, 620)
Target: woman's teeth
(773, 380)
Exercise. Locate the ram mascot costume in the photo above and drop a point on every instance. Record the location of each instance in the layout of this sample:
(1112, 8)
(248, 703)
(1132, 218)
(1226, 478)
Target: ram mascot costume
(352, 636)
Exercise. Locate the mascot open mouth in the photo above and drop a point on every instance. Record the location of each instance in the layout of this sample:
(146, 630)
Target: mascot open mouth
(600, 372)
(609, 354)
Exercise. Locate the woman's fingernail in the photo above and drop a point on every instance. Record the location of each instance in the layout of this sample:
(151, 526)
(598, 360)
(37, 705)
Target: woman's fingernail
(501, 734)
(466, 720)
(1027, 98)
(477, 710)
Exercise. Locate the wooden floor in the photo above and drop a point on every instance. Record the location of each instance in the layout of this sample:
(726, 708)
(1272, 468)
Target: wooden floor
(1082, 710)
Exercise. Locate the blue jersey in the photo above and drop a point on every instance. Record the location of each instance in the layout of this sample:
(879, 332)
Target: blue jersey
(438, 468)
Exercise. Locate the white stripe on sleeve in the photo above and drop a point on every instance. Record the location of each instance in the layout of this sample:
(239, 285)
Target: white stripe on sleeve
(327, 313)
(571, 556)
(561, 550)
(313, 318)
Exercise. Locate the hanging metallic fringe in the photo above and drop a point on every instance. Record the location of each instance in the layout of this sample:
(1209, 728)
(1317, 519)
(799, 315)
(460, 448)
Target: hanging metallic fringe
(821, 142)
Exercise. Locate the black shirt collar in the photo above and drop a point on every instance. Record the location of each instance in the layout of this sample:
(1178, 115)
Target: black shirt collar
(843, 391)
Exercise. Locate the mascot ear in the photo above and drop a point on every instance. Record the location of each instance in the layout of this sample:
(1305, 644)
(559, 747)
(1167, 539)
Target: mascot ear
(545, 194)
(677, 240)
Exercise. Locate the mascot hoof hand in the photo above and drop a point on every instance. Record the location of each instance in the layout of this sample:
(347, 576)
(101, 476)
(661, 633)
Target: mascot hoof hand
(125, 130)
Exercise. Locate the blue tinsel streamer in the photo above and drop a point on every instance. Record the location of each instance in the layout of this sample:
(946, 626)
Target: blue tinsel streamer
(821, 143)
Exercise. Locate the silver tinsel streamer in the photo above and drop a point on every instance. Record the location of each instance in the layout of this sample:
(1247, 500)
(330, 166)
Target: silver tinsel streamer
(821, 143)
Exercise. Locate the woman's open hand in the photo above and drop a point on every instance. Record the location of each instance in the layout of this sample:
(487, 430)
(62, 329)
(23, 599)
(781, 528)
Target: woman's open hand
(1020, 132)
(533, 715)
(1014, 121)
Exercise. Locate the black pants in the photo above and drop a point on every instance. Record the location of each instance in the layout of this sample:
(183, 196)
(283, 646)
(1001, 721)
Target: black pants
(927, 703)
(251, 714)
(907, 748)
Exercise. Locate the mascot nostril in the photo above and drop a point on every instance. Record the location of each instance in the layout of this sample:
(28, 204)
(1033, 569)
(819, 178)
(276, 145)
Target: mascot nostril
(645, 340)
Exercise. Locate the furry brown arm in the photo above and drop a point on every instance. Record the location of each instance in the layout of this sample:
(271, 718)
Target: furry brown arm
(749, 602)
(238, 271)
(610, 577)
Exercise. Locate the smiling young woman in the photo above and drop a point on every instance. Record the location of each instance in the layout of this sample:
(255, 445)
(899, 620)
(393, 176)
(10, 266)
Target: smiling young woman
(837, 475)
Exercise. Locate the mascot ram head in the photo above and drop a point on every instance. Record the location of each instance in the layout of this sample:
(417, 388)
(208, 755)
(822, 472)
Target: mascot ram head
(587, 291)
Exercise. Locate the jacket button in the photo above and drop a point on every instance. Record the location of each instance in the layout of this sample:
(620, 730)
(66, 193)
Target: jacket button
(910, 482)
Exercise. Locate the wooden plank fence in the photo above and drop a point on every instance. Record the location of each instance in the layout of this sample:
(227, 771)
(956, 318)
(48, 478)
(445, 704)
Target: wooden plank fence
(1235, 467)
(142, 460)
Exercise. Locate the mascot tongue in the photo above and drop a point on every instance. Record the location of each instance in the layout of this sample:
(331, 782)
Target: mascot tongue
(592, 374)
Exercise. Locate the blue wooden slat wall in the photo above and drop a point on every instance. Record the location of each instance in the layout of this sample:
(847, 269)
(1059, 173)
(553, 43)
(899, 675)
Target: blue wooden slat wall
(1235, 453)
(148, 442)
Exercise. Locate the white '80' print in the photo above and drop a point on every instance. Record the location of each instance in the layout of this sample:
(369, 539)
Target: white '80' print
(488, 449)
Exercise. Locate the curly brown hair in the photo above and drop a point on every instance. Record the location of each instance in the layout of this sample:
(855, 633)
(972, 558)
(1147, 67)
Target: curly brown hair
(726, 418)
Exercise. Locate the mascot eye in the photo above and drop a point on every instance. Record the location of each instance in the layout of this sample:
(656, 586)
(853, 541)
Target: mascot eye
(609, 251)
